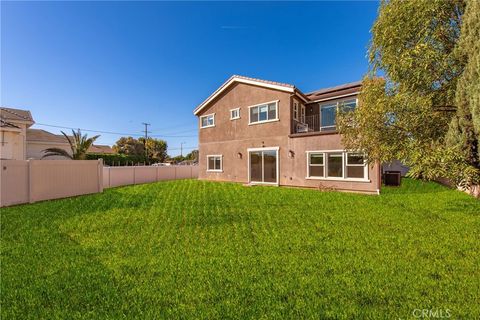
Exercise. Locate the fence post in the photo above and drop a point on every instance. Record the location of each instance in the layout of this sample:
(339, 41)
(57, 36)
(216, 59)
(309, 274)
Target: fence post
(109, 176)
(30, 184)
(134, 175)
(100, 174)
(156, 173)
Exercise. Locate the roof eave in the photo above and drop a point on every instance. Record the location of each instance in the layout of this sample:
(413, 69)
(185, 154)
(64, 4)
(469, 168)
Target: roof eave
(241, 80)
(335, 97)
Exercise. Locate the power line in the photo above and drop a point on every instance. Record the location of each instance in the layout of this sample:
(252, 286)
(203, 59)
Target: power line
(182, 125)
(116, 133)
(181, 148)
(184, 148)
(183, 131)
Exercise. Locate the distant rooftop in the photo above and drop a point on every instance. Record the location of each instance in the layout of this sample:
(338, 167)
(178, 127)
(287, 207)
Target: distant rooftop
(6, 124)
(15, 114)
(43, 136)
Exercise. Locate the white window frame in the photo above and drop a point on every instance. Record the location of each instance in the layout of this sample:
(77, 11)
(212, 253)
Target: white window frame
(295, 110)
(364, 165)
(238, 114)
(309, 164)
(259, 105)
(221, 162)
(206, 116)
(344, 167)
(302, 113)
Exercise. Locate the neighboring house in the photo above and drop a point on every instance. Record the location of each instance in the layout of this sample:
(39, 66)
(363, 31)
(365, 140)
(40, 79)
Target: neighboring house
(19, 142)
(101, 149)
(263, 132)
(13, 132)
(38, 140)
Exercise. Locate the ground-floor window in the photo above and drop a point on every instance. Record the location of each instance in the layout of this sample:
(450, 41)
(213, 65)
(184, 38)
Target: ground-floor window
(355, 165)
(214, 163)
(336, 165)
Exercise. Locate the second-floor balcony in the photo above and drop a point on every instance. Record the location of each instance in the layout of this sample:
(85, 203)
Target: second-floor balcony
(312, 123)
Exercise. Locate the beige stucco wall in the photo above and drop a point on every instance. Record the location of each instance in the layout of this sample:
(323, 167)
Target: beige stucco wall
(232, 139)
(12, 143)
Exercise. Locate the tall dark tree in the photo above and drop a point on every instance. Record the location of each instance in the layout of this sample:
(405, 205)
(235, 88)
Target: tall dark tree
(193, 155)
(420, 46)
(464, 133)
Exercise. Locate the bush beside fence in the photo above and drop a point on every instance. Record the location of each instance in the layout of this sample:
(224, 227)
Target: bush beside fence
(117, 159)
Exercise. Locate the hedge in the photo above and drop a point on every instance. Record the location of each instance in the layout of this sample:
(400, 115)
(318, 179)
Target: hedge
(118, 159)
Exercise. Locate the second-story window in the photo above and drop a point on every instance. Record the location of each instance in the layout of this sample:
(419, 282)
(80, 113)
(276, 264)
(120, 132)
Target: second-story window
(295, 110)
(328, 113)
(235, 114)
(264, 112)
(348, 105)
(207, 120)
(327, 116)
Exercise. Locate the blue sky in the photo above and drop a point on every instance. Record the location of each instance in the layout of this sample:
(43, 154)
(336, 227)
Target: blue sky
(110, 66)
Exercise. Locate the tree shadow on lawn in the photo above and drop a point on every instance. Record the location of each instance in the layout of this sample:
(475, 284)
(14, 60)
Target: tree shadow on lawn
(412, 186)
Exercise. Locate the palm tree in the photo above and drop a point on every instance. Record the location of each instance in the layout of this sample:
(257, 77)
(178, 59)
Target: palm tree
(78, 144)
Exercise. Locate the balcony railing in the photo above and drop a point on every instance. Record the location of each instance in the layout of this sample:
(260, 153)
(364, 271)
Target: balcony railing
(310, 124)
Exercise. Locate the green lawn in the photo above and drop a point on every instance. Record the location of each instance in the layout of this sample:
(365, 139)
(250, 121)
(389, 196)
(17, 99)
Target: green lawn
(203, 250)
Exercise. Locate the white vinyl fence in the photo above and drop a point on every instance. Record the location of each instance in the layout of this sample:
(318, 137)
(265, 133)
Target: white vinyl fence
(122, 176)
(27, 181)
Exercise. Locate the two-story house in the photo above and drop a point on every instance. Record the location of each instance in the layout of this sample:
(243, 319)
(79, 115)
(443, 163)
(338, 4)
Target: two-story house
(263, 132)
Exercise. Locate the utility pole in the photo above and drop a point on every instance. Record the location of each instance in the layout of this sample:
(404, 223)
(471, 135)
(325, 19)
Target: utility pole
(181, 148)
(145, 141)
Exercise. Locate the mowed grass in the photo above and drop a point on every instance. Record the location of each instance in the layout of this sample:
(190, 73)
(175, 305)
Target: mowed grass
(204, 250)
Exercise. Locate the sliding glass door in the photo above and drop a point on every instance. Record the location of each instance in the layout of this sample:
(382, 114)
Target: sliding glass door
(263, 166)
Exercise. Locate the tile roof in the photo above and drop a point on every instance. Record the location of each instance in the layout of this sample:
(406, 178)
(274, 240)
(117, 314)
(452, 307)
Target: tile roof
(15, 114)
(6, 124)
(98, 148)
(44, 136)
(261, 80)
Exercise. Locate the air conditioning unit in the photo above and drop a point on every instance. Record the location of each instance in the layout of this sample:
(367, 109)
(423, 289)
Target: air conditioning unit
(392, 178)
(302, 127)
